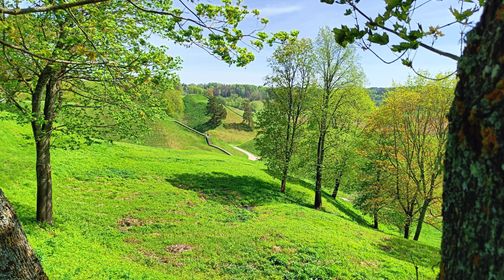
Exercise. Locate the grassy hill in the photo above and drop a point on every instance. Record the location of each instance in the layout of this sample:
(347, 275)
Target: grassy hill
(125, 211)
(168, 134)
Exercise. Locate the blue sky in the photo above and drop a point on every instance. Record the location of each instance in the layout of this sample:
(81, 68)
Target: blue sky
(308, 16)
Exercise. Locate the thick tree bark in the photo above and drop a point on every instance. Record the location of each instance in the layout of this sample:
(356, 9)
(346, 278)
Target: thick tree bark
(17, 260)
(421, 219)
(473, 197)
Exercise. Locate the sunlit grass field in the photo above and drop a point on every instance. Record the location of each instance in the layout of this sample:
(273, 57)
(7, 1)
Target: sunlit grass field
(124, 211)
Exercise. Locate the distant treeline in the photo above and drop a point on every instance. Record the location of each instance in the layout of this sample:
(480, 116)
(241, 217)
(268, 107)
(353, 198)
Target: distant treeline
(250, 92)
(253, 92)
(378, 94)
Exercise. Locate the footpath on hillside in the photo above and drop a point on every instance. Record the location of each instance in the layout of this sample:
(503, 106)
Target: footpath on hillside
(249, 154)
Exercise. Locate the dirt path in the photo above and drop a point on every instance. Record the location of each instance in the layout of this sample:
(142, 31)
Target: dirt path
(249, 154)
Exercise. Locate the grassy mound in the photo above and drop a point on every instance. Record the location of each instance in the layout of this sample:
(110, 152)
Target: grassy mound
(133, 212)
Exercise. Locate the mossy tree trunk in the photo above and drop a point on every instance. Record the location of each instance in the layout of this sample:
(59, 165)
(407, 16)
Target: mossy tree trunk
(473, 198)
(17, 260)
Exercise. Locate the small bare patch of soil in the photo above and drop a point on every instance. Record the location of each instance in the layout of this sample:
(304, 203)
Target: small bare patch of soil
(276, 249)
(178, 248)
(369, 263)
(128, 222)
(132, 240)
(202, 196)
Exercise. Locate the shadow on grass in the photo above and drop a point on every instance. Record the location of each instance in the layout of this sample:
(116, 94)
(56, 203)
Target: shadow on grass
(243, 191)
(24, 213)
(418, 254)
(237, 126)
(347, 211)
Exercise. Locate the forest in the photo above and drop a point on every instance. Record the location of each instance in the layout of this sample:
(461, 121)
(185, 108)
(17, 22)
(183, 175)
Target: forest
(116, 164)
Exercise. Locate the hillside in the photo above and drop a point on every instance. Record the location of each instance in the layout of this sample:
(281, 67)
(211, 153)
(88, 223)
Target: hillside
(133, 212)
(167, 134)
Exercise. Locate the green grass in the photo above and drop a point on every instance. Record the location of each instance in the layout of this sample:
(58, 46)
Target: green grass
(122, 210)
(168, 134)
(194, 109)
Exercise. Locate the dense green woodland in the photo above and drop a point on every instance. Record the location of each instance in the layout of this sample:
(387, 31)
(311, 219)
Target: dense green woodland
(114, 169)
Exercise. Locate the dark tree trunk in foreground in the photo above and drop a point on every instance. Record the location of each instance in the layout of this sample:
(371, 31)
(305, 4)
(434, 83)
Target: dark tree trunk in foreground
(421, 219)
(473, 198)
(17, 260)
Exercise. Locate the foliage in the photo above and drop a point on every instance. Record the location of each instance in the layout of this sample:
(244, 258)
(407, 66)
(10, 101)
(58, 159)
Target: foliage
(250, 92)
(411, 131)
(398, 20)
(216, 111)
(281, 121)
(248, 115)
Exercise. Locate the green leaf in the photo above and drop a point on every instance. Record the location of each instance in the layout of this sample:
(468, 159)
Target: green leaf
(381, 39)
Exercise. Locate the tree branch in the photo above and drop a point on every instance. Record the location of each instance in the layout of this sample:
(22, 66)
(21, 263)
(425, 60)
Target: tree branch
(48, 8)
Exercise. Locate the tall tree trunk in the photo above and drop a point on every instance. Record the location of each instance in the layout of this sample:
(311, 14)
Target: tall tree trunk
(17, 260)
(375, 219)
(337, 183)
(44, 179)
(421, 219)
(407, 225)
(318, 176)
(473, 196)
(284, 179)
(42, 125)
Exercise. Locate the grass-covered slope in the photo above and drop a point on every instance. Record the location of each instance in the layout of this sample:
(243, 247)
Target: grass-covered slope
(134, 212)
(168, 134)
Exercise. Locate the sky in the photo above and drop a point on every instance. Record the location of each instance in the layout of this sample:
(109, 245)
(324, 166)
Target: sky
(308, 16)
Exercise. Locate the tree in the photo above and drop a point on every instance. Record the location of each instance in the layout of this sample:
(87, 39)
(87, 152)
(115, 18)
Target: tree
(248, 114)
(285, 113)
(17, 259)
(413, 120)
(388, 128)
(65, 70)
(427, 131)
(373, 191)
(473, 195)
(337, 73)
(215, 109)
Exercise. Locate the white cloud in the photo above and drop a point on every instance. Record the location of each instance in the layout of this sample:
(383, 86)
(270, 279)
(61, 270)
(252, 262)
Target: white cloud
(276, 11)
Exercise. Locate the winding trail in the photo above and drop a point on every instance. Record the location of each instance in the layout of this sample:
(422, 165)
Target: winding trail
(249, 154)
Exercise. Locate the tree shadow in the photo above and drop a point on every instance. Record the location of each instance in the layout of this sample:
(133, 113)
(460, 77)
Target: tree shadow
(241, 191)
(418, 254)
(347, 211)
(237, 126)
(24, 213)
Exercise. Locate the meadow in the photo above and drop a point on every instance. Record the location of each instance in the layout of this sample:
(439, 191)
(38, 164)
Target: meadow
(125, 211)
